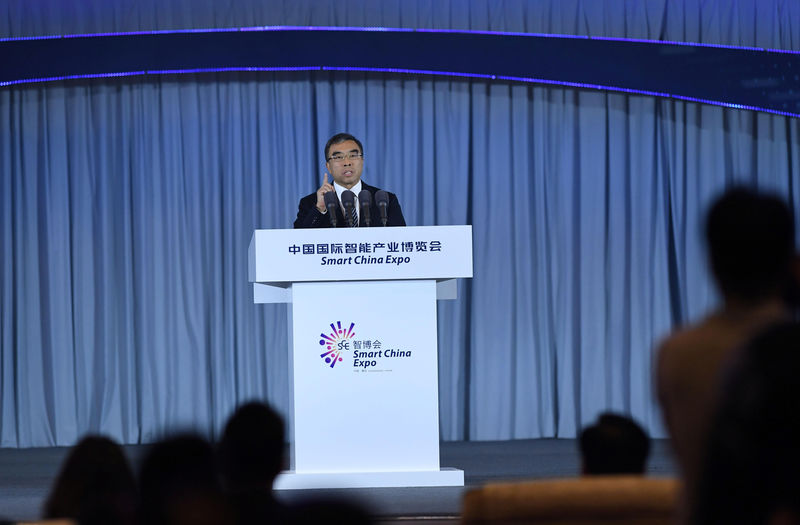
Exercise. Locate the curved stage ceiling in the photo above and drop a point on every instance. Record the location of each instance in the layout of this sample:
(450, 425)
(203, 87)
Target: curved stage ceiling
(740, 77)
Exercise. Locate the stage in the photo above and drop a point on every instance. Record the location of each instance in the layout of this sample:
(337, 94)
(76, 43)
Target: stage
(26, 476)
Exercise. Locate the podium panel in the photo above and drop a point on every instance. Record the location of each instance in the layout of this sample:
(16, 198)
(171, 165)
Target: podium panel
(365, 377)
(364, 365)
(282, 257)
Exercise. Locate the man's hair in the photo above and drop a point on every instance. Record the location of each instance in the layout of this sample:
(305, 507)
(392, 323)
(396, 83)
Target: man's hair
(751, 244)
(614, 445)
(338, 139)
(251, 448)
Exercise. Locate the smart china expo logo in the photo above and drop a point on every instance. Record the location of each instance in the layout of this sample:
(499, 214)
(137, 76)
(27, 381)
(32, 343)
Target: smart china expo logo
(336, 342)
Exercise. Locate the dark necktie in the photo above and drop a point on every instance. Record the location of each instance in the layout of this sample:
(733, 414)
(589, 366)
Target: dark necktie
(355, 217)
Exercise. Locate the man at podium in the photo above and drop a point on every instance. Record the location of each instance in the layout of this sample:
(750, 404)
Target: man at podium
(344, 160)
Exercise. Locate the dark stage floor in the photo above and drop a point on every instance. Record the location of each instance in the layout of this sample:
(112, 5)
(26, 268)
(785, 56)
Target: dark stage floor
(26, 475)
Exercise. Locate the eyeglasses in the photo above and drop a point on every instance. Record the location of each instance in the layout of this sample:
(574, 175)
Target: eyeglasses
(349, 156)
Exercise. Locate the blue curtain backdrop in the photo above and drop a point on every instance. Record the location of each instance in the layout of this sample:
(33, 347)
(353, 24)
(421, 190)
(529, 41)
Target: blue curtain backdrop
(126, 208)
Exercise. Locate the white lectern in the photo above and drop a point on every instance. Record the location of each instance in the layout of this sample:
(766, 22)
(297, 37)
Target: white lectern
(364, 366)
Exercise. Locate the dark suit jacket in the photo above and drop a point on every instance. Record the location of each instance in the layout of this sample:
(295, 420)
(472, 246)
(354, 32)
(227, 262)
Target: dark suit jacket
(308, 216)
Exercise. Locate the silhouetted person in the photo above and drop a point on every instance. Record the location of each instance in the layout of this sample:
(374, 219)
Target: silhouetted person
(752, 458)
(751, 247)
(329, 511)
(251, 456)
(95, 485)
(179, 484)
(614, 445)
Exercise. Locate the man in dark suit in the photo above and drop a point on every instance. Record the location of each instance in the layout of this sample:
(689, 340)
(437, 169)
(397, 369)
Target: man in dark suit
(344, 159)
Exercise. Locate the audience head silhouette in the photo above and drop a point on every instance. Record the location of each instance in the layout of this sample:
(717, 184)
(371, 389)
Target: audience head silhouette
(326, 510)
(751, 245)
(251, 449)
(614, 445)
(95, 486)
(752, 458)
(179, 484)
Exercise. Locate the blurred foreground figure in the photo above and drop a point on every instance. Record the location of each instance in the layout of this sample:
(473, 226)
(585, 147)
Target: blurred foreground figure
(95, 485)
(179, 484)
(251, 456)
(328, 511)
(614, 445)
(752, 461)
(751, 250)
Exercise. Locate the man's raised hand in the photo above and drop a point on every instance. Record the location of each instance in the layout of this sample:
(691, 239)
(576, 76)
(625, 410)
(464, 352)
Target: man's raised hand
(325, 188)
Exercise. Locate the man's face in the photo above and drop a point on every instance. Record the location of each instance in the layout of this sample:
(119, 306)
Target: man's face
(345, 171)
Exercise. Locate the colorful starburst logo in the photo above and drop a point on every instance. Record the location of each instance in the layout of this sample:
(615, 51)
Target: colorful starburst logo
(336, 342)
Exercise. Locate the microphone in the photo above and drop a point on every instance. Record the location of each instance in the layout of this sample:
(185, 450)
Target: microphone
(382, 198)
(364, 204)
(349, 204)
(332, 203)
